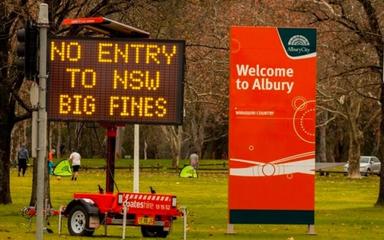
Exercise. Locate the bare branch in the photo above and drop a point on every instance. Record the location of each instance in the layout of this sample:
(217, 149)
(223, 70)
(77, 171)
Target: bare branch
(206, 46)
(326, 122)
(332, 111)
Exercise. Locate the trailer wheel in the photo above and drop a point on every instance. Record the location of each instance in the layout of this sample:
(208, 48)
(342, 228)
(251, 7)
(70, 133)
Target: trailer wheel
(78, 221)
(153, 231)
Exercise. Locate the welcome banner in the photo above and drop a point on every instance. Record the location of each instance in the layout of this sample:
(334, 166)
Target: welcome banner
(272, 112)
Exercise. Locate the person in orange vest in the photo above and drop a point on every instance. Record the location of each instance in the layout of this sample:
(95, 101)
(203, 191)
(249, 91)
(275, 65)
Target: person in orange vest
(50, 161)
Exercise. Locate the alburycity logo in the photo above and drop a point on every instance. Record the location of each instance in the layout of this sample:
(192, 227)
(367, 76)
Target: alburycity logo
(299, 44)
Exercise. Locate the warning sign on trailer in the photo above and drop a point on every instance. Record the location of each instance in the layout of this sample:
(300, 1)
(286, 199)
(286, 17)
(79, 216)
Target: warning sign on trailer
(116, 80)
(272, 114)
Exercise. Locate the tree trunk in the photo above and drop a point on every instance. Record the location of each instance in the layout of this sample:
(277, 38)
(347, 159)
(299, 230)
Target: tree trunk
(58, 145)
(174, 135)
(47, 188)
(380, 198)
(145, 149)
(5, 148)
(353, 158)
(119, 142)
(355, 139)
(69, 137)
(322, 151)
(178, 146)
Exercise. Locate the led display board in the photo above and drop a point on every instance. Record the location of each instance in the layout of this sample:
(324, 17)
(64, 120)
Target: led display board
(116, 80)
(272, 116)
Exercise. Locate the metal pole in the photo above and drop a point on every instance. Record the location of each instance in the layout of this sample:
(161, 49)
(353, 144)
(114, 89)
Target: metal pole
(105, 224)
(111, 148)
(43, 24)
(136, 167)
(125, 206)
(35, 134)
(311, 229)
(184, 210)
(60, 219)
(230, 228)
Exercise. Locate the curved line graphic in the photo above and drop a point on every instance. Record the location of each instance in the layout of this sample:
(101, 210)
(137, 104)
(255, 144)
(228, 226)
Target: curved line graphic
(302, 106)
(306, 166)
(281, 160)
(298, 40)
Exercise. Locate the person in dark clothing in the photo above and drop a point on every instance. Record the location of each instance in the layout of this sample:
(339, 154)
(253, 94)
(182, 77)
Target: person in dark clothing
(22, 158)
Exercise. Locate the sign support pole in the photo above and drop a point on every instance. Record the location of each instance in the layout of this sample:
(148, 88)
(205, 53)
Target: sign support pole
(311, 229)
(43, 24)
(136, 166)
(230, 228)
(110, 170)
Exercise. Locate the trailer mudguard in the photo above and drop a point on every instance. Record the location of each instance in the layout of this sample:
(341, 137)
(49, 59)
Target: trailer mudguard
(88, 204)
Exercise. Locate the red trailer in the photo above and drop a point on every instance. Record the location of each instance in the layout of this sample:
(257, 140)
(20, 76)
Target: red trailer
(154, 213)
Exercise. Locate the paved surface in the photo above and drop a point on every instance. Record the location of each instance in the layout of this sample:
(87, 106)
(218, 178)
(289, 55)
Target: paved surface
(323, 166)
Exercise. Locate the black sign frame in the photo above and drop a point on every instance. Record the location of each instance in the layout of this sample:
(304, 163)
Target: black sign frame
(80, 83)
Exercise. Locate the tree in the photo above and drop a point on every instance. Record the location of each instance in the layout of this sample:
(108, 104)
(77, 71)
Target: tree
(11, 80)
(362, 20)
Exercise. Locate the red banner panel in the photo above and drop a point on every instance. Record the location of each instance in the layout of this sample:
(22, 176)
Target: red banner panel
(272, 116)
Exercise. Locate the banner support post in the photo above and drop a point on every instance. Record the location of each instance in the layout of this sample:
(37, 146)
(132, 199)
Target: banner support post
(311, 229)
(230, 228)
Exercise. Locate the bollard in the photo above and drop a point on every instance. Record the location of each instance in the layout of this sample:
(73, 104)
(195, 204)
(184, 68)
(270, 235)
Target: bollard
(125, 209)
(184, 211)
(60, 219)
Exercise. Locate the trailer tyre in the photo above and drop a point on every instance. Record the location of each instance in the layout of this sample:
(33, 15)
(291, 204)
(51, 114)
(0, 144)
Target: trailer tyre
(78, 222)
(153, 231)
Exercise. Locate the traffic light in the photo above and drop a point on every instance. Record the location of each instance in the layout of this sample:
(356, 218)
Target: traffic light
(27, 50)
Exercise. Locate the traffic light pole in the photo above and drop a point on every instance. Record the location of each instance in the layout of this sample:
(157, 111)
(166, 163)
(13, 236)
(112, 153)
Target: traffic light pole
(43, 24)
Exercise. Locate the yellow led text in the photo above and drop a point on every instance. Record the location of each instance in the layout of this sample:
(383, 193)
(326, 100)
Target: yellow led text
(136, 80)
(87, 77)
(70, 51)
(137, 106)
(169, 55)
(77, 104)
(135, 53)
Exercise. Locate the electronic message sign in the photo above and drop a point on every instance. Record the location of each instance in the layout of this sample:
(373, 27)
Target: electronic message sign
(272, 116)
(116, 80)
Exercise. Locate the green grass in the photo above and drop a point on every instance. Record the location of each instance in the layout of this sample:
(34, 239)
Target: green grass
(344, 207)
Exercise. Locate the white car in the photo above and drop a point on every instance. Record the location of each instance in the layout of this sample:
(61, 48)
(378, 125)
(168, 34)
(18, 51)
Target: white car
(368, 165)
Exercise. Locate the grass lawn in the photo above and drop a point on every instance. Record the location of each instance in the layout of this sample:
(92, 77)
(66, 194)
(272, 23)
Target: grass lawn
(344, 207)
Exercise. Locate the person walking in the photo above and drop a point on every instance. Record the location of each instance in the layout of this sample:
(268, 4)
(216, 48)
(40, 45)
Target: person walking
(22, 158)
(50, 161)
(75, 159)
